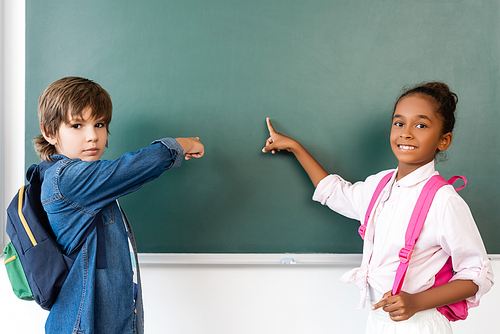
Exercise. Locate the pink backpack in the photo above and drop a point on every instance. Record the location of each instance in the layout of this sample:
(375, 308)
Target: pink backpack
(453, 312)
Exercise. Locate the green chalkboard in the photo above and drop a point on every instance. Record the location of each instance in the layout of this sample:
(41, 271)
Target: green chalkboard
(326, 71)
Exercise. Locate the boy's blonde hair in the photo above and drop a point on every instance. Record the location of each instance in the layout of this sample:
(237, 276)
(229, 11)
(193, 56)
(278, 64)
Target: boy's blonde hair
(64, 97)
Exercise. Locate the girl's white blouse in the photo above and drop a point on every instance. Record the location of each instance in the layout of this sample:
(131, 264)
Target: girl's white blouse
(449, 230)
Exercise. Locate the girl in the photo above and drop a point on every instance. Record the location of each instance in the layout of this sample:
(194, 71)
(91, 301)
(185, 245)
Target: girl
(74, 116)
(422, 125)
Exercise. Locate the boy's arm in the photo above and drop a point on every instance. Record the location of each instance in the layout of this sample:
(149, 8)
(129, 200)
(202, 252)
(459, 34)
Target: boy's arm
(192, 147)
(96, 184)
(278, 142)
(404, 305)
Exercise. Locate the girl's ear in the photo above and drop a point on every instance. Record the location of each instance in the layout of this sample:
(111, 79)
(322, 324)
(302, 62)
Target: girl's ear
(50, 138)
(445, 142)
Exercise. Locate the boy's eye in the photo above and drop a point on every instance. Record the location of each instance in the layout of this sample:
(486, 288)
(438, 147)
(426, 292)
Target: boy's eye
(99, 125)
(421, 126)
(76, 126)
(398, 124)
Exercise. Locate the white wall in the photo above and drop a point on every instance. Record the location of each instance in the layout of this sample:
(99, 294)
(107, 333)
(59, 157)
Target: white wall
(220, 299)
(11, 102)
(196, 298)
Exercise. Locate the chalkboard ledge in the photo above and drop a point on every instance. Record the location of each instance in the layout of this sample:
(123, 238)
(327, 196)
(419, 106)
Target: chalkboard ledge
(248, 259)
(339, 260)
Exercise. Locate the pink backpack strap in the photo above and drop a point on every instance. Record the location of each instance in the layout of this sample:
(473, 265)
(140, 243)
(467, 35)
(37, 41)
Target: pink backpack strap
(417, 220)
(457, 177)
(376, 194)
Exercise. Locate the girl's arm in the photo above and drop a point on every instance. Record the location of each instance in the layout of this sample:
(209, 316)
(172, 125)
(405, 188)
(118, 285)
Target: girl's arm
(404, 305)
(278, 142)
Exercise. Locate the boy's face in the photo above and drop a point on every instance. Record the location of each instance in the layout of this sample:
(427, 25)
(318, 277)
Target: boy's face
(83, 139)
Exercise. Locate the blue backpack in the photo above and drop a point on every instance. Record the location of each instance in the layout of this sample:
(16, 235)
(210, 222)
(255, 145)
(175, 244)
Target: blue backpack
(36, 265)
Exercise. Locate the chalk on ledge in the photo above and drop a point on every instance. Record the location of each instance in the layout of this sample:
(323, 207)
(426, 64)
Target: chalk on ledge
(288, 261)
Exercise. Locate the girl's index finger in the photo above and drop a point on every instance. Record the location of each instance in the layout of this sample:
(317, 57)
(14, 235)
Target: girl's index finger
(383, 302)
(270, 126)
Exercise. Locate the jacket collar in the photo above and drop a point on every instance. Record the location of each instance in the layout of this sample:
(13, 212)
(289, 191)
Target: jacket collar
(36, 173)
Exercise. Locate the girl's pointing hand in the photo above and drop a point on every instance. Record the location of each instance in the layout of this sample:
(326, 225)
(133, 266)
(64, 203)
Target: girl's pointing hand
(400, 307)
(277, 141)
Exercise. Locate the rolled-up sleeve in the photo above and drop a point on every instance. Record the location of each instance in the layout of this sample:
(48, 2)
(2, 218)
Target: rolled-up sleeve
(172, 144)
(461, 239)
(344, 197)
(337, 194)
(325, 188)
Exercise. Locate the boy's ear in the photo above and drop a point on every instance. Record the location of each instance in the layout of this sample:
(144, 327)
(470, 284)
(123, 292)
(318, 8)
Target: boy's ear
(50, 138)
(446, 140)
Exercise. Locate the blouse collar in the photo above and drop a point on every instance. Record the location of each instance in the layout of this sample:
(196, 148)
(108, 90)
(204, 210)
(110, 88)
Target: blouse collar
(418, 175)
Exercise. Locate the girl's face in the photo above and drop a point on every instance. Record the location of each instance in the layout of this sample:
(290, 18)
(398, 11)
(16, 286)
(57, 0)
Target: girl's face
(416, 133)
(83, 138)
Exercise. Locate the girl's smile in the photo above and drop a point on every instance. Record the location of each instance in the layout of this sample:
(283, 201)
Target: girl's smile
(406, 147)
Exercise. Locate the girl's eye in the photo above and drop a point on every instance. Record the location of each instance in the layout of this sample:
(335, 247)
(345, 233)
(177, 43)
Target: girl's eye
(76, 126)
(421, 126)
(398, 124)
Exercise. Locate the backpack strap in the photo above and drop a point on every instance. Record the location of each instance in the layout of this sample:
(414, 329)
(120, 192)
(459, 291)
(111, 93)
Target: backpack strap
(458, 177)
(416, 223)
(376, 194)
(35, 175)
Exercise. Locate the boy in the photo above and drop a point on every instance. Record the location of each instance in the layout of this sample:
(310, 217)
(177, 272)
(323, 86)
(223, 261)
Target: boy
(74, 115)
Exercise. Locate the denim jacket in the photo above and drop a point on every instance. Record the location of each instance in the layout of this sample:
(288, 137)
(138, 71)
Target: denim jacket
(73, 191)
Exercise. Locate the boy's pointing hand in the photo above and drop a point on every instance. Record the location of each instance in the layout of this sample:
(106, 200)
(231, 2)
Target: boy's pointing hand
(193, 148)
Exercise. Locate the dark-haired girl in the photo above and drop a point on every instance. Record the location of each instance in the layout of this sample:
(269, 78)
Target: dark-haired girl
(422, 125)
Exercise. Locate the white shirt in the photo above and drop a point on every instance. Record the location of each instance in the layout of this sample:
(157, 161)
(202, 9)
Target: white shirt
(448, 230)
